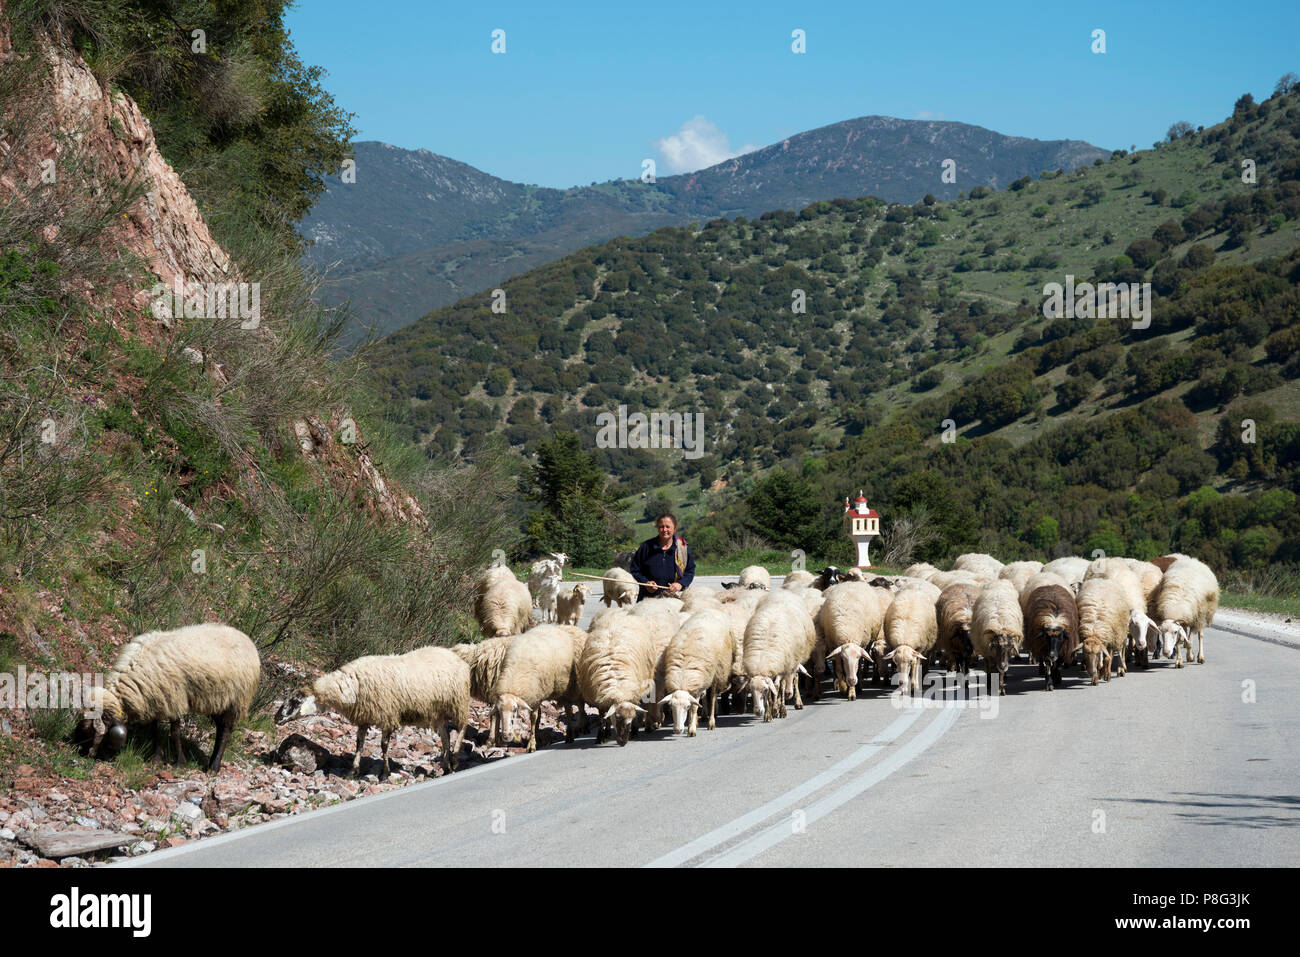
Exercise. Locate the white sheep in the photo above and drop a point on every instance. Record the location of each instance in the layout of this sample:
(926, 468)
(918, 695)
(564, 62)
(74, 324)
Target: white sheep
(919, 570)
(755, 576)
(698, 662)
(502, 603)
(778, 639)
(799, 578)
(616, 672)
(942, 580)
(1071, 568)
(1103, 626)
(540, 665)
(1020, 572)
(850, 618)
(210, 669)
(978, 562)
(424, 688)
(813, 598)
(568, 607)
(484, 659)
(1118, 571)
(622, 592)
(665, 617)
(997, 629)
(1186, 602)
(910, 631)
(698, 597)
(544, 584)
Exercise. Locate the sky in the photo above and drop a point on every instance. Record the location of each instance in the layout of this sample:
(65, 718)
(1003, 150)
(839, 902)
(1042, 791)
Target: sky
(585, 92)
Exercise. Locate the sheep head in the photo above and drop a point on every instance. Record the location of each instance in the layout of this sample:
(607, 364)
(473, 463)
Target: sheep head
(623, 715)
(1172, 634)
(681, 703)
(509, 711)
(1002, 648)
(851, 655)
(102, 721)
(580, 591)
(764, 691)
(300, 704)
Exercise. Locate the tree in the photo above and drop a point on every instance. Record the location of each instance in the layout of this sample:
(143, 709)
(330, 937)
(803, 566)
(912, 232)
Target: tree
(1168, 233)
(1287, 83)
(1074, 390)
(1045, 534)
(786, 510)
(1179, 129)
(1093, 194)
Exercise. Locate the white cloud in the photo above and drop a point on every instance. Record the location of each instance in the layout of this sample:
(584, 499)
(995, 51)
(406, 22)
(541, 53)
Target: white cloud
(930, 115)
(699, 143)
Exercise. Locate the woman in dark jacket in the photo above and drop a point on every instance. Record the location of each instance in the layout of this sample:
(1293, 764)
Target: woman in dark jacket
(663, 565)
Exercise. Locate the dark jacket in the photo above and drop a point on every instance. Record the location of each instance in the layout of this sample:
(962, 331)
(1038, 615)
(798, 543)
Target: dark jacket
(652, 563)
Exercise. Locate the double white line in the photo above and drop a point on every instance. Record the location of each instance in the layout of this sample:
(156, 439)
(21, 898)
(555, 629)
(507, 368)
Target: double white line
(768, 837)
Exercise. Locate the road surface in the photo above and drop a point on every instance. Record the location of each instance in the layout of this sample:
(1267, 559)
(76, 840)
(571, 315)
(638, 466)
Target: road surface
(1192, 767)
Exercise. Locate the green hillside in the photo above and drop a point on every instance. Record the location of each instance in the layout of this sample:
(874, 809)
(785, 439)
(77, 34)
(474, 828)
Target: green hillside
(914, 315)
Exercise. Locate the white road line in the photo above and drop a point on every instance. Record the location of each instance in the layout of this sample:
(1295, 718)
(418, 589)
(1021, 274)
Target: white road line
(769, 837)
(787, 800)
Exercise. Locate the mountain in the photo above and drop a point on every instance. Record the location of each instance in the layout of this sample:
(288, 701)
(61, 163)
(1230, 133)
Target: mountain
(806, 338)
(417, 231)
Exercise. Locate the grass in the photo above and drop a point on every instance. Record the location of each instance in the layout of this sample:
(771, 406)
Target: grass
(1288, 605)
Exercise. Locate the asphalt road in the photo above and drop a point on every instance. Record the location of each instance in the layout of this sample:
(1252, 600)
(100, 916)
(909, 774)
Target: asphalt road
(1191, 767)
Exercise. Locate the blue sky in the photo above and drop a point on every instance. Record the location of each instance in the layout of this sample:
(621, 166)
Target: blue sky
(586, 91)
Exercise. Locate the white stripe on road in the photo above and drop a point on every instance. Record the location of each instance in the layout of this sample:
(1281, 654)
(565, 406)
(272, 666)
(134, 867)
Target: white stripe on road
(790, 798)
(771, 836)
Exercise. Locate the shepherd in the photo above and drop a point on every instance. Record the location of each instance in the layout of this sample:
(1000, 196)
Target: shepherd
(664, 564)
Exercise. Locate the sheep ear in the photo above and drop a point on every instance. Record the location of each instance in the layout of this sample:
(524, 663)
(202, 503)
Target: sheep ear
(922, 657)
(804, 671)
(837, 650)
(664, 700)
(695, 701)
(891, 654)
(610, 712)
(639, 708)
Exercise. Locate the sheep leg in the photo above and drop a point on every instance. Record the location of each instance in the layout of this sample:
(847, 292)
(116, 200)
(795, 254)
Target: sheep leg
(692, 726)
(460, 743)
(444, 735)
(225, 726)
(1200, 648)
(384, 735)
(536, 727)
(798, 702)
(179, 760)
(570, 721)
(362, 730)
(156, 727)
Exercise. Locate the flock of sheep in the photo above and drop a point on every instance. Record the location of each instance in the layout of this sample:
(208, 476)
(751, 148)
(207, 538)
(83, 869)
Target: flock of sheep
(639, 660)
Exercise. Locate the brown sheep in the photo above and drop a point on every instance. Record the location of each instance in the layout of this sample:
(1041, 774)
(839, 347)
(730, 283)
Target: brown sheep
(1051, 629)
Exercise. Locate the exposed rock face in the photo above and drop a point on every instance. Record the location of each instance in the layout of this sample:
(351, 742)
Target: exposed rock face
(163, 227)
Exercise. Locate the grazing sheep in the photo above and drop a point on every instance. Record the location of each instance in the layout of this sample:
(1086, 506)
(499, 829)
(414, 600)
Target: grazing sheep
(997, 629)
(616, 671)
(622, 592)
(1186, 602)
(798, 579)
(1118, 571)
(1020, 572)
(502, 603)
(954, 609)
(207, 669)
(698, 662)
(910, 631)
(979, 563)
(850, 618)
(1051, 629)
(539, 666)
(424, 688)
(1070, 568)
(755, 576)
(1103, 626)
(778, 639)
